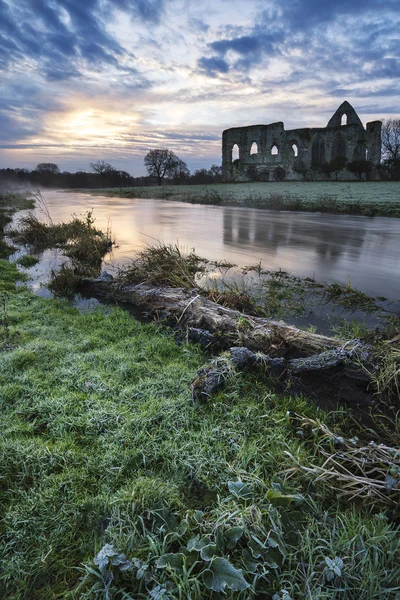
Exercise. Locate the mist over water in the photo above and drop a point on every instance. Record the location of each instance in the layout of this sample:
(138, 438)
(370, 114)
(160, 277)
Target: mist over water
(341, 248)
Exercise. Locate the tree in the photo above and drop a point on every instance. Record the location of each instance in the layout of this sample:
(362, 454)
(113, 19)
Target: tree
(391, 140)
(359, 167)
(101, 167)
(48, 168)
(161, 163)
(391, 149)
(180, 172)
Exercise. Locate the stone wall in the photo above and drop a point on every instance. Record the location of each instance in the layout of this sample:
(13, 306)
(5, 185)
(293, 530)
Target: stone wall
(270, 153)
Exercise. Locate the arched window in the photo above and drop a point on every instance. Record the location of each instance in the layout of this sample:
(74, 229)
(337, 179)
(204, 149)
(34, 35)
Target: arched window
(344, 119)
(295, 150)
(360, 152)
(274, 150)
(339, 147)
(254, 148)
(235, 152)
(318, 152)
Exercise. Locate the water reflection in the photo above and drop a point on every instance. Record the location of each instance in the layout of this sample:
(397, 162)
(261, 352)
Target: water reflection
(284, 229)
(328, 247)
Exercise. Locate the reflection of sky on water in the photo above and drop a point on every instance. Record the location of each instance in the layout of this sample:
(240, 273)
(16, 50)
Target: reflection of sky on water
(327, 247)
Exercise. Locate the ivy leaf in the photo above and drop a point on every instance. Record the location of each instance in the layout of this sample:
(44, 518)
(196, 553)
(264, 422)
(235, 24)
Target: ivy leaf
(222, 574)
(240, 490)
(233, 535)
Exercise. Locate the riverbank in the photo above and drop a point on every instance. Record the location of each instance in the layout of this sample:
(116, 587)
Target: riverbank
(353, 198)
(115, 485)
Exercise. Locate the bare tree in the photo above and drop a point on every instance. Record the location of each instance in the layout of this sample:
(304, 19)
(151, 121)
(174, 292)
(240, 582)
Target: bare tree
(47, 168)
(161, 163)
(391, 139)
(101, 167)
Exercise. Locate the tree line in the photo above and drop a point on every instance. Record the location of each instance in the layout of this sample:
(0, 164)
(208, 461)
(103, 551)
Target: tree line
(163, 167)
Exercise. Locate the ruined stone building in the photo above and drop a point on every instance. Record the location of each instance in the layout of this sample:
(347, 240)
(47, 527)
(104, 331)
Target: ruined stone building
(270, 153)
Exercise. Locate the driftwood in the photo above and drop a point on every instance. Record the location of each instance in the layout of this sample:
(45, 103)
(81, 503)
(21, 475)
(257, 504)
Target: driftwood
(300, 361)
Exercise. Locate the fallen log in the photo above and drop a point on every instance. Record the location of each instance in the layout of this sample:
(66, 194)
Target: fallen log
(331, 377)
(225, 327)
(298, 361)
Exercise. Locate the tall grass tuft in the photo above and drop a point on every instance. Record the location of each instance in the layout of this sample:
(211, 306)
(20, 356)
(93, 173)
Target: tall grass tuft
(164, 264)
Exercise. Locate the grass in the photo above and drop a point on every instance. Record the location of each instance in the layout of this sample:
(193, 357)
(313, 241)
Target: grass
(27, 261)
(114, 486)
(164, 264)
(372, 198)
(99, 435)
(9, 204)
(82, 243)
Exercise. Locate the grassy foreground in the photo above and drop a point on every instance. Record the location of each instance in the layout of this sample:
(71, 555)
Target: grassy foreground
(99, 440)
(372, 198)
(115, 486)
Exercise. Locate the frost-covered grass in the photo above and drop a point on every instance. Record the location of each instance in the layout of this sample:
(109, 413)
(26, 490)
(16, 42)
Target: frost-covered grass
(101, 445)
(364, 198)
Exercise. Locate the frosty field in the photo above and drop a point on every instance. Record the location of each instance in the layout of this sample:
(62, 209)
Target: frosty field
(363, 198)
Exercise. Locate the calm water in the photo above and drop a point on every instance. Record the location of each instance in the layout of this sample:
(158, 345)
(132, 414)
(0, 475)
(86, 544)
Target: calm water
(328, 247)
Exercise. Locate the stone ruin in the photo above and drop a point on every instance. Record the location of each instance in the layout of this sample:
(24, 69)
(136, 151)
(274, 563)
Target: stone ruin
(269, 153)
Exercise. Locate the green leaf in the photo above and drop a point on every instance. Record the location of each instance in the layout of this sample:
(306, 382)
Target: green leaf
(250, 563)
(208, 552)
(222, 574)
(240, 489)
(329, 562)
(256, 547)
(233, 535)
(165, 521)
(276, 498)
(219, 540)
(197, 543)
(198, 516)
(174, 561)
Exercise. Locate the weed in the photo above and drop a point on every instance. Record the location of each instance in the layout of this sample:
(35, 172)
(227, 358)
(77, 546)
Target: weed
(64, 282)
(27, 261)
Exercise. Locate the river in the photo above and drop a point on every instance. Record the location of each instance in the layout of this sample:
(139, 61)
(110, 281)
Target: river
(341, 248)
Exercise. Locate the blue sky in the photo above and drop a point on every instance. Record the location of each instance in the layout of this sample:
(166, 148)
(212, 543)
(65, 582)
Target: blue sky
(83, 80)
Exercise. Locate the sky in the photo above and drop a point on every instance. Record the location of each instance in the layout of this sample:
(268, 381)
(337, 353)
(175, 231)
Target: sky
(87, 80)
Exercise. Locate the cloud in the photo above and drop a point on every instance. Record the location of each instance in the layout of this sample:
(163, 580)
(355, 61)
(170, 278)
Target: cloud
(212, 66)
(314, 38)
(63, 36)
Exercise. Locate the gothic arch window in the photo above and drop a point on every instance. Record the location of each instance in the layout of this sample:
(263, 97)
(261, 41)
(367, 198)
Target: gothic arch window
(360, 152)
(235, 152)
(343, 120)
(274, 150)
(295, 149)
(318, 152)
(254, 148)
(339, 147)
